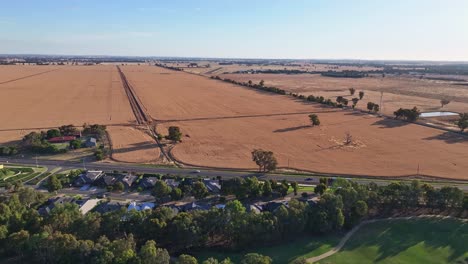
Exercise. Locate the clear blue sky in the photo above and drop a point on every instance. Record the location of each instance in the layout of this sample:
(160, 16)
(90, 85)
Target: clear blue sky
(357, 29)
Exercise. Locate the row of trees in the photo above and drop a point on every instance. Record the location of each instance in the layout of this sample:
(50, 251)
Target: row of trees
(252, 188)
(197, 189)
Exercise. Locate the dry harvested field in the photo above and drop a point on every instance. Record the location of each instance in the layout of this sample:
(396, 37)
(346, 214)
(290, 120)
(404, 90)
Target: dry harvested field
(216, 68)
(132, 145)
(9, 73)
(67, 95)
(399, 92)
(224, 123)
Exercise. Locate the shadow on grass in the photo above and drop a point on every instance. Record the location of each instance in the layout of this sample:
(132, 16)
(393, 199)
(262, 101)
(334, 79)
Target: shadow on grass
(450, 137)
(396, 237)
(288, 129)
(390, 123)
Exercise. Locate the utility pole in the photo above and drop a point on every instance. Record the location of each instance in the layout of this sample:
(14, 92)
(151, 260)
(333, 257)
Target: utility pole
(84, 166)
(37, 165)
(418, 170)
(381, 101)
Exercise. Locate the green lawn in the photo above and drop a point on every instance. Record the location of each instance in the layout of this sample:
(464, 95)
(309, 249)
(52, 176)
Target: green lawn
(301, 247)
(400, 241)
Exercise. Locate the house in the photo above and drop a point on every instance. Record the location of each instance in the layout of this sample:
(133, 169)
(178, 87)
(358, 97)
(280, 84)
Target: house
(63, 139)
(106, 180)
(52, 202)
(140, 206)
(89, 177)
(274, 205)
(193, 206)
(171, 183)
(212, 185)
(88, 205)
(128, 180)
(91, 142)
(103, 208)
(148, 182)
(254, 208)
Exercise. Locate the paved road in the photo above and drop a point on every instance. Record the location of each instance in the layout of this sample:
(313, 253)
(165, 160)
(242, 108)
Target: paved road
(305, 179)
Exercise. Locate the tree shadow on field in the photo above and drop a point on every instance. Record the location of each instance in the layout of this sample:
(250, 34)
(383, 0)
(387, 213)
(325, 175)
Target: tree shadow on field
(395, 237)
(450, 137)
(135, 147)
(390, 123)
(288, 129)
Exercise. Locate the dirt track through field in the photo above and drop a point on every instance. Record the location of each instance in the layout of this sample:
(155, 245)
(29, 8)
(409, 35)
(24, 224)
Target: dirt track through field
(137, 108)
(27, 76)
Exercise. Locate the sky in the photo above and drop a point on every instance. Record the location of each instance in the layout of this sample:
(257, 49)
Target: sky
(286, 29)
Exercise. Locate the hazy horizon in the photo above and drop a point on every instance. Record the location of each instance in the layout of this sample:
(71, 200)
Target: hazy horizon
(312, 30)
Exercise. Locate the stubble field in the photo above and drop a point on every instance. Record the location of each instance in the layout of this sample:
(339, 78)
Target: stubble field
(224, 123)
(405, 92)
(40, 97)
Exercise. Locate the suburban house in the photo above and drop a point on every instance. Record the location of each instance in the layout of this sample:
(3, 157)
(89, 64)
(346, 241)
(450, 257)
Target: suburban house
(63, 139)
(87, 205)
(274, 205)
(89, 177)
(212, 185)
(52, 202)
(171, 183)
(128, 180)
(106, 180)
(148, 182)
(105, 207)
(84, 205)
(91, 142)
(140, 206)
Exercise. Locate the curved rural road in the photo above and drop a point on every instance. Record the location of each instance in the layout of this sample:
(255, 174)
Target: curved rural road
(356, 228)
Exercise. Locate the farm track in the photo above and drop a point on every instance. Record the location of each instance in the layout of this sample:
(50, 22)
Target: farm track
(27, 76)
(141, 116)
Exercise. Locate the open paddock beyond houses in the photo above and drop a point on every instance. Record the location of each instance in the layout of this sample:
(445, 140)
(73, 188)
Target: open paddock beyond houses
(404, 91)
(223, 123)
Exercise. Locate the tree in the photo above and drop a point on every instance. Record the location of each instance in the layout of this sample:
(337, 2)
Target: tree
(176, 193)
(174, 134)
(376, 108)
(186, 259)
(53, 184)
(161, 190)
(75, 144)
(250, 82)
(320, 188)
(348, 139)
(295, 187)
(462, 122)
(409, 114)
(150, 254)
(361, 95)
(339, 99)
(266, 189)
(355, 101)
(314, 119)
(53, 133)
(255, 258)
(370, 106)
(199, 190)
(118, 186)
(444, 102)
(352, 91)
(265, 160)
(262, 83)
(67, 130)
